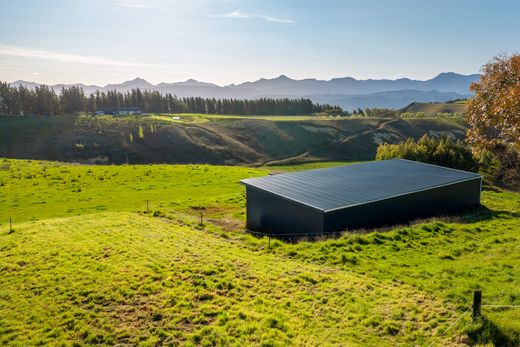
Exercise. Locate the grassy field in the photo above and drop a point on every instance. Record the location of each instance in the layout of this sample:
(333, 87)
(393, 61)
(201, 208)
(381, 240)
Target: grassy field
(85, 264)
(201, 118)
(431, 109)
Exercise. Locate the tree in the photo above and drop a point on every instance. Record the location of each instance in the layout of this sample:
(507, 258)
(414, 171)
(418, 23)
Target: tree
(494, 112)
(494, 119)
(72, 99)
(26, 102)
(46, 101)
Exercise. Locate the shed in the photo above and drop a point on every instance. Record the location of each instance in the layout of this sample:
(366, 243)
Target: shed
(357, 196)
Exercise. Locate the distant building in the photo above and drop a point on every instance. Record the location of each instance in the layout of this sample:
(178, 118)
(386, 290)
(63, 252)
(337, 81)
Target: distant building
(120, 111)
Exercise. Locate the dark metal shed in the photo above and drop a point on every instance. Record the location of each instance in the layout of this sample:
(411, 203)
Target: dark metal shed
(357, 196)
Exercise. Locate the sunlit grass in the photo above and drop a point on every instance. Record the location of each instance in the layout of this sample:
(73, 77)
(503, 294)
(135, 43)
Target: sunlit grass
(199, 117)
(86, 265)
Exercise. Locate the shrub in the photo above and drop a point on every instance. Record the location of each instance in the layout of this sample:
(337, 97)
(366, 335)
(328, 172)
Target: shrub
(442, 151)
(502, 166)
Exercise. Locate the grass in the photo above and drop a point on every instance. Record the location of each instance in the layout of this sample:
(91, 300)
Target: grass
(433, 108)
(86, 265)
(39, 189)
(201, 118)
(119, 277)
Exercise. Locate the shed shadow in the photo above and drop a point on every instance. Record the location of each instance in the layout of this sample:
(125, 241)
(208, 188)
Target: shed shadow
(483, 213)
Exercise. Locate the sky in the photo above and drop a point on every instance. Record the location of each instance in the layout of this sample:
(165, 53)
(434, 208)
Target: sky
(231, 41)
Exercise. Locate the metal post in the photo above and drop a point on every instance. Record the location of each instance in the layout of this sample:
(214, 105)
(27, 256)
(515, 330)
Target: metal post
(477, 303)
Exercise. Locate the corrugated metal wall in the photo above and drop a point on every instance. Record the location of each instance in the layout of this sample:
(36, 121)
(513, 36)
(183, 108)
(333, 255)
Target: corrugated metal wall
(402, 209)
(268, 213)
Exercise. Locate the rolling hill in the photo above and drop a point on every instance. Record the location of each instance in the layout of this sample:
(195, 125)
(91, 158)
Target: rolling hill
(209, 139)
(431, 109)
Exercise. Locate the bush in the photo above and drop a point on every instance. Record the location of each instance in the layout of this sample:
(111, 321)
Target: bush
(502, 166)
(439, 151)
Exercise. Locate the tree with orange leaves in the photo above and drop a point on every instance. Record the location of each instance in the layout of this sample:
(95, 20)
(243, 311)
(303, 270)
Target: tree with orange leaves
(494, 118)
(494, 112)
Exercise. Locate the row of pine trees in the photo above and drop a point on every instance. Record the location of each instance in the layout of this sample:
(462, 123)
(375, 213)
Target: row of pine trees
(43, 100)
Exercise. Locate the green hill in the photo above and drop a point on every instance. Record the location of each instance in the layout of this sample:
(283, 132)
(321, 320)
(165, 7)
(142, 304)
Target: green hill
(209, 139)
(87, 265)
(431, 109)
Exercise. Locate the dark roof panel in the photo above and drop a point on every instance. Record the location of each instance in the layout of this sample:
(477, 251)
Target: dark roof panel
(343, 186)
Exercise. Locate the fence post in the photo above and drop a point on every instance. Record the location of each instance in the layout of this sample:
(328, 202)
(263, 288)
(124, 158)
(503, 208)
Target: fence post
(269, 239)
(147, 206)
(477, 303)
(10, 225)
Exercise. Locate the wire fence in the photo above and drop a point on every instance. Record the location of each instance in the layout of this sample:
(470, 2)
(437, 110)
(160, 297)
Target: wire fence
(476, 308)
(449, 328)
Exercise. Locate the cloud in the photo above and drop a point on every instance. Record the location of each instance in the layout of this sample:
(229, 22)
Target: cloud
(135, 4)
(70, 58)
(241, 15)
(234, 14)
(34, 73)
(277, 20)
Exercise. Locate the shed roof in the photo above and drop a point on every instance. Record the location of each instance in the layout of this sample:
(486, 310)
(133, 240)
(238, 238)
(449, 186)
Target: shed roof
(346, 186)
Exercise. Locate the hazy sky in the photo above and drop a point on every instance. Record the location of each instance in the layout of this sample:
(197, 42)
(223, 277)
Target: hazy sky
(229, 41)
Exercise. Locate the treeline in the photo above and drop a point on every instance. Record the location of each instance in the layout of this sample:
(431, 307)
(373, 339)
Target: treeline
(43, 100)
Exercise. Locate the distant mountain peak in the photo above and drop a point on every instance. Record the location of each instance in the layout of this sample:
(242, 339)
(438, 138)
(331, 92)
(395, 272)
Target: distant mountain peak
(346, 92)
(194, 82)
(453, 75)
(138, 80)
(189, 83)
(131, 84)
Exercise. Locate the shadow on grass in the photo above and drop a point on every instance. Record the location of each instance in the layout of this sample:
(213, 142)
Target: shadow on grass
(485, 332)
(482, 213)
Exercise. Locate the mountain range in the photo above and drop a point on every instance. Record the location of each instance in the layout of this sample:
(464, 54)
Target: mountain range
(347, 92)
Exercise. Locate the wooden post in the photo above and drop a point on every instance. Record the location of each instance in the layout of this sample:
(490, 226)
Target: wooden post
(477, 303)
(10, 225)
(201, 218)
(269, 240)
(147, 207)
